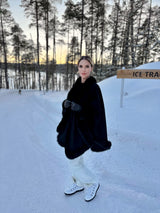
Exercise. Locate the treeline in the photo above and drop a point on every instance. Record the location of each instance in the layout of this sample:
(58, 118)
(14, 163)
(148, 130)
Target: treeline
(118, 33)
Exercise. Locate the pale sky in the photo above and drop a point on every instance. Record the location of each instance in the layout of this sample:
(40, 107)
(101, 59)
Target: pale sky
(19, 16)
(18, 13)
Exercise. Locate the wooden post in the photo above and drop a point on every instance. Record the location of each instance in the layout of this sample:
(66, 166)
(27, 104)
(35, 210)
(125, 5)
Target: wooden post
(122, 90)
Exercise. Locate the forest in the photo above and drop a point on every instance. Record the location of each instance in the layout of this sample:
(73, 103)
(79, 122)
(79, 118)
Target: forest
(116, 34)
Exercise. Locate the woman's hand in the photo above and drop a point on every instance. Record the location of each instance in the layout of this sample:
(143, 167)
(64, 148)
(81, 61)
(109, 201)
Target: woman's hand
(74, 106)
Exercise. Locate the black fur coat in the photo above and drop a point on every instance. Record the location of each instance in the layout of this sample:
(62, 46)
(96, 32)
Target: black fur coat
(86, 128)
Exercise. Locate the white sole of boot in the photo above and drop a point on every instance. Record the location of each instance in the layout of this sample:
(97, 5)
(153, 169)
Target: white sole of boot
(94, 195)
(73, 192)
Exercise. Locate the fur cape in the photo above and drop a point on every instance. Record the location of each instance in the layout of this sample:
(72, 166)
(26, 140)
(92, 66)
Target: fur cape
(86, 129)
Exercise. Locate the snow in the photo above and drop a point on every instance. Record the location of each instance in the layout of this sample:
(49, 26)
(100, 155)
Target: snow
(34, 170)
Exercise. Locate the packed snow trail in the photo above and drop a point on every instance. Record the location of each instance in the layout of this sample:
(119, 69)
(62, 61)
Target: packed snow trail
(34, 171)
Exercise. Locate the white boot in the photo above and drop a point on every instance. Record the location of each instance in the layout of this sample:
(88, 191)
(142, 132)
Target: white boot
(73, 189)
(90, 191)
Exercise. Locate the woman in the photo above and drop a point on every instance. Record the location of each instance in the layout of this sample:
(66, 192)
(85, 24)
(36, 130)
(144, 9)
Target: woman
(83, 127)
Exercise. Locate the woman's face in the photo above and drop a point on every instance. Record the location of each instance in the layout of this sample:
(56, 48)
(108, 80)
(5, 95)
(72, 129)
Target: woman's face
(84, 69)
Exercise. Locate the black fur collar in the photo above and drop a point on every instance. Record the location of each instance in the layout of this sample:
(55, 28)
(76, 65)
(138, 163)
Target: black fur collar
(91, 80)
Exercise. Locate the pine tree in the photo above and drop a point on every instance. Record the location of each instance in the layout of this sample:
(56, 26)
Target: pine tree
(33, 9)
(148, 34)
(18, 44)
(155, 47)
(5, 22)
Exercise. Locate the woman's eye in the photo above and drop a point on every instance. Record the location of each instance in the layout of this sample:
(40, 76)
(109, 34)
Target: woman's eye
(80, 66)
(87, 66)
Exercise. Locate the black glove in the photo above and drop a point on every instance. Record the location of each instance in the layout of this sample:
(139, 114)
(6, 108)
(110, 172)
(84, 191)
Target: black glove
(75, 107)
(66, 103)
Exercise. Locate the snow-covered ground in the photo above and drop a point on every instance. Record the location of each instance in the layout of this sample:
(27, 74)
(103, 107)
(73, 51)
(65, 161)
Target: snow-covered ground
(34, 170)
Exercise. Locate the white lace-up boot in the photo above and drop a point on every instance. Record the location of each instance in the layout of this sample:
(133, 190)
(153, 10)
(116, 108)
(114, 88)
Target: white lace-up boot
(90, 191)
(73, 189)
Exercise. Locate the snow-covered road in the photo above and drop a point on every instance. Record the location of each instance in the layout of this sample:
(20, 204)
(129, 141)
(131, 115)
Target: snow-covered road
(33, 168)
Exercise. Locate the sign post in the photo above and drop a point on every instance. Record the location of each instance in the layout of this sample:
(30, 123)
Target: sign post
(136, 74)
(122, 90)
